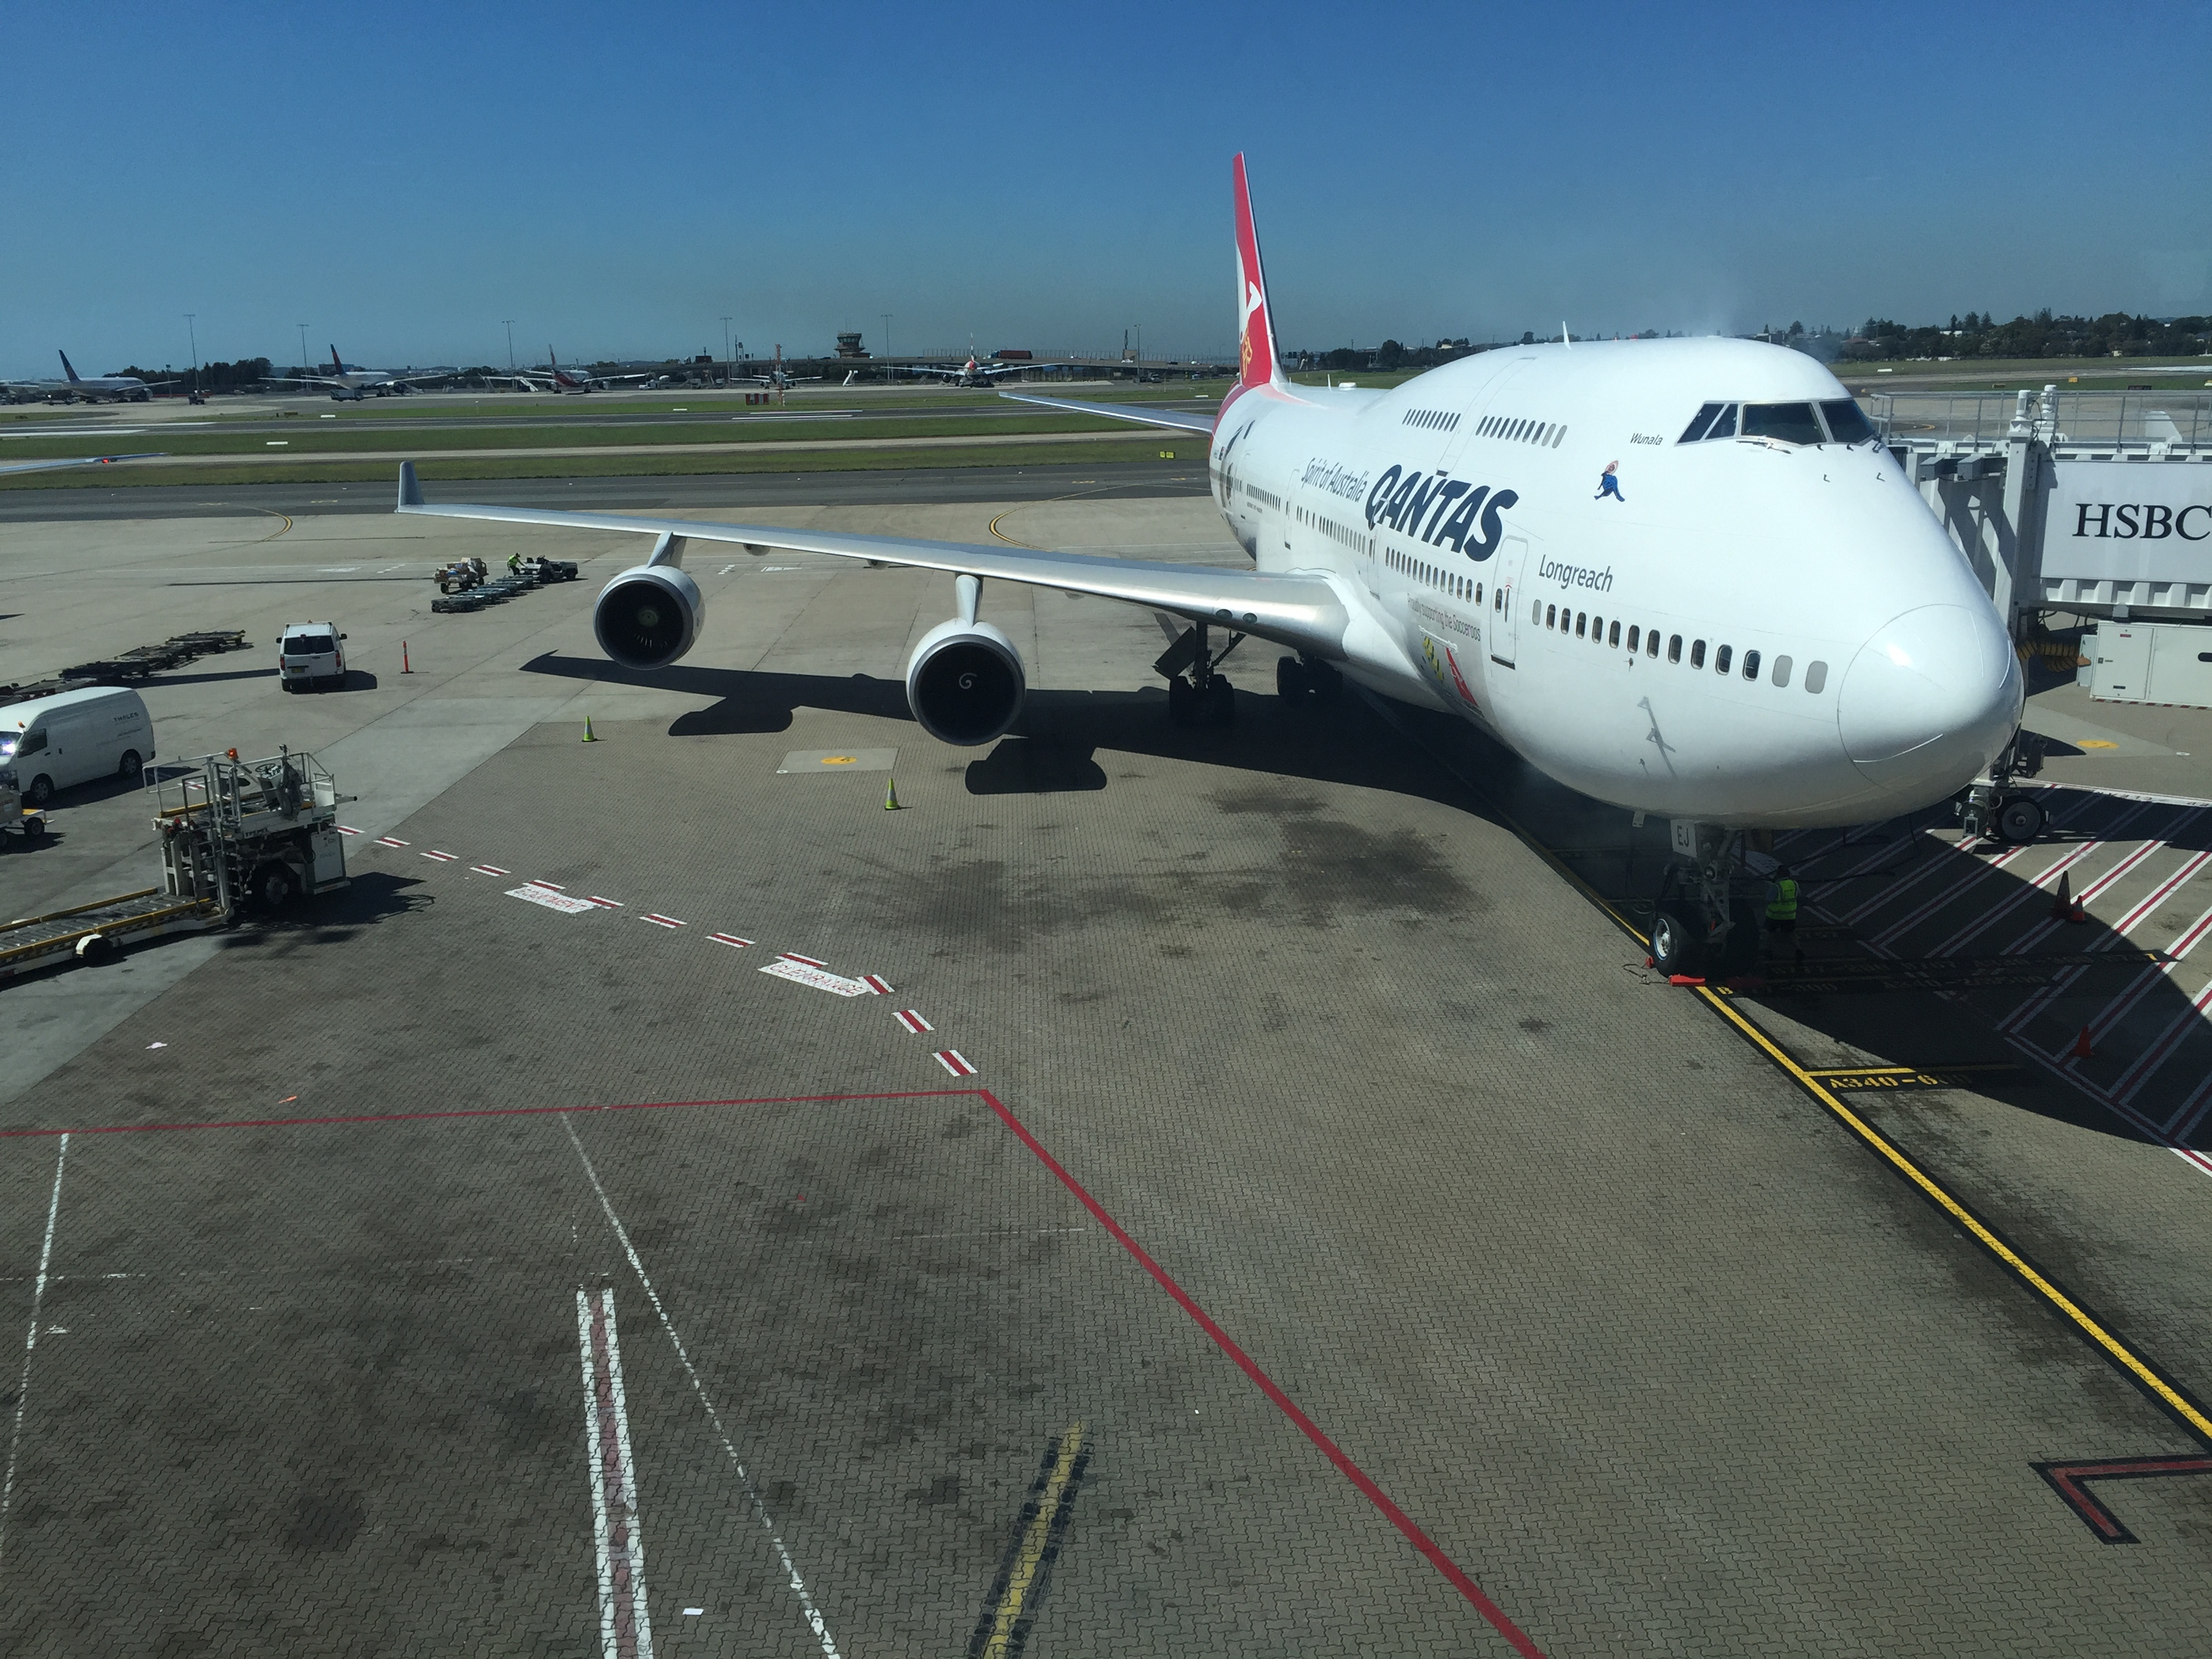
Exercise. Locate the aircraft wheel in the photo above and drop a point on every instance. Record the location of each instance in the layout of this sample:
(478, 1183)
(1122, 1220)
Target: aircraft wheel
(1179, 700)
(1220, 702)
(1292, 684)
(1675, 944)
(2020, 819)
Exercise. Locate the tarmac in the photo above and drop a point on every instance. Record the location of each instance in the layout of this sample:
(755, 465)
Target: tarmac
(1156, 1191)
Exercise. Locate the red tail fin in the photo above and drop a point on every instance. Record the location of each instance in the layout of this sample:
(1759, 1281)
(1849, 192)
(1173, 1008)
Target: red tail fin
(1255, 349)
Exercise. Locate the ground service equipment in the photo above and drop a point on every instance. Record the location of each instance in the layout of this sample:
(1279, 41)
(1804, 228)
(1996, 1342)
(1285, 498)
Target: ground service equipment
(237, 836)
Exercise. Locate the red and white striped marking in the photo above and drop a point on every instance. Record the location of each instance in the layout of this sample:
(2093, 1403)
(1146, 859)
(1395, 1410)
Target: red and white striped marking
(730, 939)
(956, 1062)
(554, 885)
(347, 830)
(912, 1019)
(390, 841)
(489, 869)
(793, 956)
(443, 858)
(625, 1630)
(877, 983)
(606, 903)
(659, 920)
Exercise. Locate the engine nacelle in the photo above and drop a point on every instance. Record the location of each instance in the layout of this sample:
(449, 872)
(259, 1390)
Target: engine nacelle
(964, 682)
(649, 616)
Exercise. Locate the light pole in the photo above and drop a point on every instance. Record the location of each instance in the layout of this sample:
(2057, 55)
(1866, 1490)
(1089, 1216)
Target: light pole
(1141, 345)
(887, 347)
(303, 348)
(729, 375)
(193, 329)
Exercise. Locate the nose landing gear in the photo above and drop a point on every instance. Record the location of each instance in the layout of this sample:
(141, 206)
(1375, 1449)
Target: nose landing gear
(1701, 921)
(1990, 808)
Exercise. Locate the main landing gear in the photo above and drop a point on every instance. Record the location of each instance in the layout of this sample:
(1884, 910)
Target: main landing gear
(1204, 697)
(1989, 807)
(1702, 921)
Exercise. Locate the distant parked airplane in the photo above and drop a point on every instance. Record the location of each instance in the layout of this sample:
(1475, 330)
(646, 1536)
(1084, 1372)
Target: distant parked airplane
(350, 381)
(117, 388)
(558, 379)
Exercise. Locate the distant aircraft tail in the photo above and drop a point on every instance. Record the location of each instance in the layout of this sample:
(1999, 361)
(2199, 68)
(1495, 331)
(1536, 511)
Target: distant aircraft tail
(75, 378)
(1255, 349)
(336, 366)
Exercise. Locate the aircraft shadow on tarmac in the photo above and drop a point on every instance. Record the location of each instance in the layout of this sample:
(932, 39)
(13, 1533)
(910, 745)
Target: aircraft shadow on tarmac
(1053, 747)
(1878, 979)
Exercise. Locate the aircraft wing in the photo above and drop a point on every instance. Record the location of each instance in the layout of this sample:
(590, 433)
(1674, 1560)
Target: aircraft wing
(1175, 420)
(1304, 612)
(81, 460)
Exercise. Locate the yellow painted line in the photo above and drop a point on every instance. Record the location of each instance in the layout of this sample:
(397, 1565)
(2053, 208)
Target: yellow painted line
(2119, 1351)
(1032, 1554)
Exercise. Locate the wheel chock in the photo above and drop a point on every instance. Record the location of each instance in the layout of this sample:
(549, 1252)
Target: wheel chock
(1685, 979)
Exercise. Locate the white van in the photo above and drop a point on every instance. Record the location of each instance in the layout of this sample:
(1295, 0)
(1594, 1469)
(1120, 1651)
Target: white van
(311, 654)
(74, 737)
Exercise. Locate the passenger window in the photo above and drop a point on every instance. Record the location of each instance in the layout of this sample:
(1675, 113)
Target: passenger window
(1551, 616)
(1720, 658)
(1816, 677)
(1782, 671)
(1698, 422)
(1615, 639)
(1477, 592)
(1581, 623)
(1633, 633)
(1674, 649)
(1537, 615)
(1750, 664)
(1597, 630)
(1651, 643)
(1697, 653)
(1790, 423)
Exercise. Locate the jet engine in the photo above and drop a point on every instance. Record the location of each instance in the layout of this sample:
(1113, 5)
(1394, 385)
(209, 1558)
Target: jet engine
(648, 616)
(964, 682)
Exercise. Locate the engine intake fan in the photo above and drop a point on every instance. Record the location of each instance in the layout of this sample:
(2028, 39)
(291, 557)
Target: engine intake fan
(964, 682)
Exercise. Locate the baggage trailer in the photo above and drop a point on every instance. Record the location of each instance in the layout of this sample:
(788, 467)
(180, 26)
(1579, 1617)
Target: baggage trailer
(237, 837)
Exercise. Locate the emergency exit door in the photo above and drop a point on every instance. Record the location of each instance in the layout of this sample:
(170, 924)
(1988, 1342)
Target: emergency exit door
(1505, 601)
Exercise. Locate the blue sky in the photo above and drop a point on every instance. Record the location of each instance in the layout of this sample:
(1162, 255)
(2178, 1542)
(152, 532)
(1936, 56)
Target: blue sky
(404, 178)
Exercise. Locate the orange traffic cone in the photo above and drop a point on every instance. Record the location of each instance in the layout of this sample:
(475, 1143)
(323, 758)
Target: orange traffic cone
(2077, 914)
(2082, 1048)
(2062, 900)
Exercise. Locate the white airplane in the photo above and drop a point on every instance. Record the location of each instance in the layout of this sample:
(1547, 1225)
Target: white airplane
(350, 382)
(1681, 576)
(558, 379)
(117, 388)
(972, 374)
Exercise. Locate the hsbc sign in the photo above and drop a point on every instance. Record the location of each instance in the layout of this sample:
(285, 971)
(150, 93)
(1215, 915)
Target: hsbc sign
(2129, 521)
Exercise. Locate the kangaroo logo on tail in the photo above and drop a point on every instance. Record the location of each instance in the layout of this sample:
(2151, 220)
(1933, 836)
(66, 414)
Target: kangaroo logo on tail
(1256, 346)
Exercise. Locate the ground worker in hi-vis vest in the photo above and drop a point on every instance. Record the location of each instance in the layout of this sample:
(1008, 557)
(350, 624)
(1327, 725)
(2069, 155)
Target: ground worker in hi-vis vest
(1781, 909)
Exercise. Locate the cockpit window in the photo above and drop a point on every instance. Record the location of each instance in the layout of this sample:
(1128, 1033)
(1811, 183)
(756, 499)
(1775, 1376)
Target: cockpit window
(1789, 423)
(1723, 425)
(1698, 422)
(1847, 421)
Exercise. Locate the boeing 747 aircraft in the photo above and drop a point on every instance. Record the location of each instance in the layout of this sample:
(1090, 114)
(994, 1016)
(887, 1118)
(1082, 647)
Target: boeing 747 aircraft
(349, 382)
(1682, 576)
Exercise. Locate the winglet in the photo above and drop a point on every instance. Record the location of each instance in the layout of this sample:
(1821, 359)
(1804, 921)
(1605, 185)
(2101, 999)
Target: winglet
(410, 492)
(1255, 348)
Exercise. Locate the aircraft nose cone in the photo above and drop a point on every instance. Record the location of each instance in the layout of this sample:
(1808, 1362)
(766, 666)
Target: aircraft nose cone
(1930, 699)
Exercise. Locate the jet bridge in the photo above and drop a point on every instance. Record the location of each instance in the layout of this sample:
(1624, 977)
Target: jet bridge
(2098, 503)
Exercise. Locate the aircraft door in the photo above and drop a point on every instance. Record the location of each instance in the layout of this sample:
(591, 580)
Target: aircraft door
(1505, 601)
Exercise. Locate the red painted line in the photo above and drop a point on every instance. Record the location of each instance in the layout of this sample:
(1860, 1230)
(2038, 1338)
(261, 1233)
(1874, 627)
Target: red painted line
(877, 983)
(607, 903)
(443, 858)
(955, 1062)
(2070, 1481)
(389, 840)
(793, 956)
(912, 1019)
(489, 869)
(730, 939)
(554, 885)
(661, 921)
(1350, 1471)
